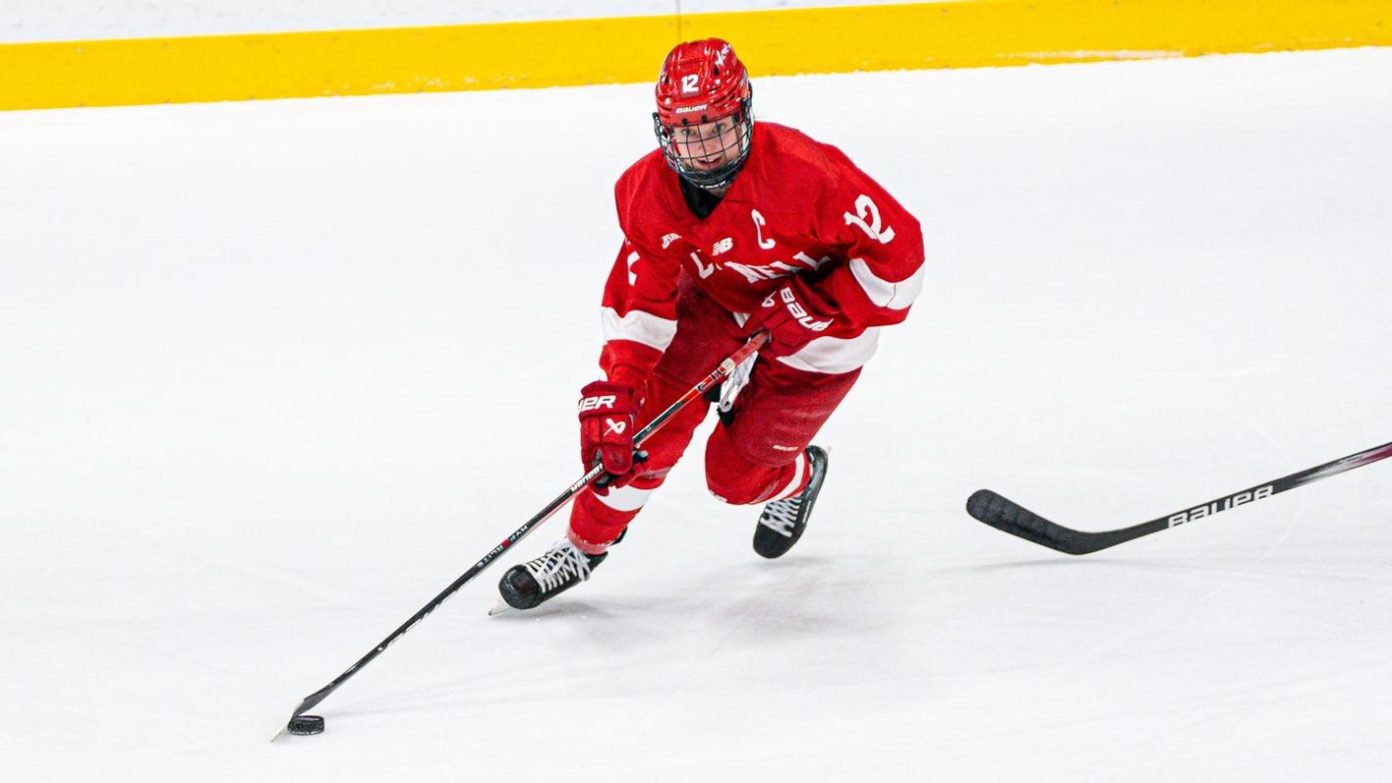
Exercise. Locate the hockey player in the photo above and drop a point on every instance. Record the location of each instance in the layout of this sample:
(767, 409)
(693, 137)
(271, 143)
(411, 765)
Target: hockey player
(729, 228)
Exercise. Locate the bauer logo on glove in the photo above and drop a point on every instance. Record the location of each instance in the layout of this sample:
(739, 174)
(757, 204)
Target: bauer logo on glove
(607, 413)
(795, 309)
(597, 402)
(794, 315)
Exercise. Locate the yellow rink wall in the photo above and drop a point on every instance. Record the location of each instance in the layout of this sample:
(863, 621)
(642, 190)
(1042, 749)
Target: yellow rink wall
(629, 49)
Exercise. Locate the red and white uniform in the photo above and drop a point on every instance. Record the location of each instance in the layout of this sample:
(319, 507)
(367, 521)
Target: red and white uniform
(798, 207)
(677, 298)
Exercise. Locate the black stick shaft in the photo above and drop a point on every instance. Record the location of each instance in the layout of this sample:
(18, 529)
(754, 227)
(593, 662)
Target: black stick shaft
(1004, 514)
(727, 366)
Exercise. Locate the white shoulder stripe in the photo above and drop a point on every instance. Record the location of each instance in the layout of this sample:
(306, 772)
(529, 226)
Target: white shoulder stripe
(895, 296)
(638, 326)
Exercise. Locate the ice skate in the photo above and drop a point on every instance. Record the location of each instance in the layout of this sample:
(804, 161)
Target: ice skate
(528, 585)
(782, 521)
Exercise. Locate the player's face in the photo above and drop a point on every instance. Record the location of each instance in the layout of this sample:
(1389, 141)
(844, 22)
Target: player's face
(708, 146)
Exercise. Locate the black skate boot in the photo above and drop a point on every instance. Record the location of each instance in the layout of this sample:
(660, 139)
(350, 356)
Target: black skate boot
(782, 522)
(563, 566)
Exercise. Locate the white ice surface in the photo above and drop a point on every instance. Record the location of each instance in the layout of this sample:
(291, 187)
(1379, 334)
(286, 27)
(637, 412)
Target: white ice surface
(273, 374)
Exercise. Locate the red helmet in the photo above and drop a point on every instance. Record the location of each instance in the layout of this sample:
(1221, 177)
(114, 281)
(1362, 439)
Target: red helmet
(701, 84)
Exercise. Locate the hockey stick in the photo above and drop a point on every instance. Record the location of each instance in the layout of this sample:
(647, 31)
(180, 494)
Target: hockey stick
(1002, 514)
(300, 723)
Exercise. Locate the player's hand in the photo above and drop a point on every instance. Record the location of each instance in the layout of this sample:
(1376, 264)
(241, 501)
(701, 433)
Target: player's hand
(794, 315)
(608, 412)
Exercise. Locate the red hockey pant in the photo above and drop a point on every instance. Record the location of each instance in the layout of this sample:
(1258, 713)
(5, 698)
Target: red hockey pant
(758, 456)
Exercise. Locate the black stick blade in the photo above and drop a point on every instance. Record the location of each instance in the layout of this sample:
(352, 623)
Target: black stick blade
(1004, 514)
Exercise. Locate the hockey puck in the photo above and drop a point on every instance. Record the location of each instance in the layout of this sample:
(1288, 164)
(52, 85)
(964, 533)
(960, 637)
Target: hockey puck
(305, 724)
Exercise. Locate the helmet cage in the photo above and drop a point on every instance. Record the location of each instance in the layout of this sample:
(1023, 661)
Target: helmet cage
(670, 137)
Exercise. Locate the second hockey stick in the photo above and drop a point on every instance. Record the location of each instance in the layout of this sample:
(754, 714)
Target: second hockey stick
(1003, 514)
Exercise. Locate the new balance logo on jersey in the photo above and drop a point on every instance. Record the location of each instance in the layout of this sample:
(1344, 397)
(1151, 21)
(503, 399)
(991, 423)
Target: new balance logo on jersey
(723, 246)
(669, 239)
(802, 316)
(597, 402)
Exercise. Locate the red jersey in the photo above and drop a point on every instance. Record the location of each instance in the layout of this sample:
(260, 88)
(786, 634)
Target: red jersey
(797, 207)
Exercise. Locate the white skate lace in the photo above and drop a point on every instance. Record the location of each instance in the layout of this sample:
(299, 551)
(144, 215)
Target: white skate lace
(780, 516)
(553, 568)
